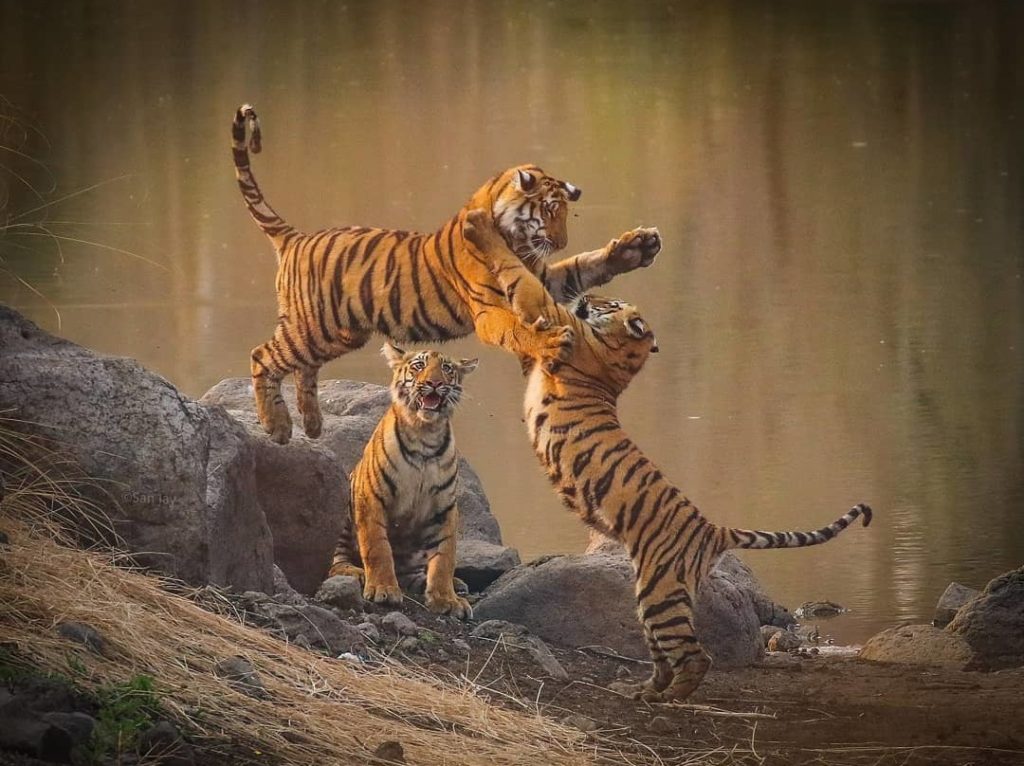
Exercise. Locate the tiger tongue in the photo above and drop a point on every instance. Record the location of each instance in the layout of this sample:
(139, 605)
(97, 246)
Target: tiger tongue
(430, 401)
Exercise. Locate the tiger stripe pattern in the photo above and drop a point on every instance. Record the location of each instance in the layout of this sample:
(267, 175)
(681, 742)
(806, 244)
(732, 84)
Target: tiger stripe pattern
(571, 415)
(337, 287)
(403, 514)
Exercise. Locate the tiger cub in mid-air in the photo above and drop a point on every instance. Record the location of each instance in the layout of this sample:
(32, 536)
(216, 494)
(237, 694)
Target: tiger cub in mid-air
(570, 408)
(403, 511)
(337, 287)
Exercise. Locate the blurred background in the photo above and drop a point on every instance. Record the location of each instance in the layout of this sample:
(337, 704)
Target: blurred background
(839, 301)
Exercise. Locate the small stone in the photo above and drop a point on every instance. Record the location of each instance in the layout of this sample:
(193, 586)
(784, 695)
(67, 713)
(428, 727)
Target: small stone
(41, 739)
(163, 741)
(767, 631)
(390, 752)
(818, 610)
(542, 656)
(460, 646)
(784, 641)
(4, 539)
(301, 639)
(369, 630)
(409, 645)
(495, 629)
(84, 634)
(78, 725)
(661, 725)
(241, 676)
(399, 624)
(341, 592)
(622, 672)
(581, 722)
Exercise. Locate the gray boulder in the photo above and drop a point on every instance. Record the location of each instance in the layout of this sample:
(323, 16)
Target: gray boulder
(180, 474)
(303, 485)
(954, 597)
(993, 623)
(589, 600)
(479, 563)
(918, 645)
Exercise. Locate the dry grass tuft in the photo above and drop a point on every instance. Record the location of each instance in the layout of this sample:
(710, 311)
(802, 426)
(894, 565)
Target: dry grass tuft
(317, 710)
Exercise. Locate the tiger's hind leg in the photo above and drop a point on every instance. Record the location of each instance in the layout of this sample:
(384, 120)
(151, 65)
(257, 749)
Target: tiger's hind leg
(306, 399)
(269, 364)
(306, 379)
(665, 608)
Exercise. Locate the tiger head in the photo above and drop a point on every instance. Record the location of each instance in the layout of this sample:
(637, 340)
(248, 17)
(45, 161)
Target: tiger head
(624, 341)
(530, 209)
(427, 384)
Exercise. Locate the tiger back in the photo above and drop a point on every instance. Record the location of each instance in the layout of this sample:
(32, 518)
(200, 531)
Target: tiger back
(403, 513)
(578, 369)
(337, 287)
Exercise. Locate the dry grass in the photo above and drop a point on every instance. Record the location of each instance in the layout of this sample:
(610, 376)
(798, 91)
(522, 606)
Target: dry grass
(318, 710)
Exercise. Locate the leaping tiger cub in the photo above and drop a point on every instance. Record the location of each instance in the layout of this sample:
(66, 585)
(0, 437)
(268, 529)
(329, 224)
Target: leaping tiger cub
(403, 507)
(570, 411)
(336, 287)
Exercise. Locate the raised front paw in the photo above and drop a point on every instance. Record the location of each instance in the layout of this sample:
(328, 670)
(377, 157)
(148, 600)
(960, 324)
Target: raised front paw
(382, 593)
(449, 603)
(634, 249)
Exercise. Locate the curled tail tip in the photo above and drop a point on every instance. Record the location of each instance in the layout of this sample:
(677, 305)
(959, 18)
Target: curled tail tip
(865, 511)
(247, 114)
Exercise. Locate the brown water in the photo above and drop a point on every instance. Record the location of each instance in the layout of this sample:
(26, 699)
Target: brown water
(839, 302)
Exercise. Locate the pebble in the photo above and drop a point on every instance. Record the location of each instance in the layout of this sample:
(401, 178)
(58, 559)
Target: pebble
(661, 725)
(84, 634)
(399, 624)
(409, 645)
(581, 722)
(369, 630)
(460, 646)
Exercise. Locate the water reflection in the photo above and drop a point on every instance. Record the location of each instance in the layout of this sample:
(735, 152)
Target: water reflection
(840, 299)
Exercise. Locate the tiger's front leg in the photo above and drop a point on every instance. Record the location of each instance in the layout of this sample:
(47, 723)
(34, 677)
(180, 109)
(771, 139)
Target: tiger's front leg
(380, 582)
(440, 591)
(634, 249)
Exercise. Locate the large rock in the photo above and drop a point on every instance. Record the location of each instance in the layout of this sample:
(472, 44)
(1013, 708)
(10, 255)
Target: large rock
(918, 645)
(181, 473)
(993, 623)
(304, 484)
(479, 563)
(589, 600)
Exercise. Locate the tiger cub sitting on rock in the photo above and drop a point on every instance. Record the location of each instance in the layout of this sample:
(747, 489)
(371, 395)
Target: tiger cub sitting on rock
(403, 510)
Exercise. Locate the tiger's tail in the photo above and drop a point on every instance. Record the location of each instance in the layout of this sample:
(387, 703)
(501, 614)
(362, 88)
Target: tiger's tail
(266, 218)
(750, 538)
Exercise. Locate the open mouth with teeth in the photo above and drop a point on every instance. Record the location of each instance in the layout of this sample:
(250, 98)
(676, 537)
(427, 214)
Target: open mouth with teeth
(431, 400)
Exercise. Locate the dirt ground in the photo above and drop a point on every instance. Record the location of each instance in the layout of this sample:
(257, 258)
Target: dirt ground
(790, 709)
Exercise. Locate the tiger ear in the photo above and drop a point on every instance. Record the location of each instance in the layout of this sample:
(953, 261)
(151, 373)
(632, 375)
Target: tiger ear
(392, 354)
(525, 181)
(467, 366)
(574, 192)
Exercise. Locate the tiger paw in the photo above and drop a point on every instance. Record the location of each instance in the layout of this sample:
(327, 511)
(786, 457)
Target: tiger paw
(346, 570)
(383, 593)
(557, 347)
(313, 423)
(449, 603)
(279, 424)
(634, 249)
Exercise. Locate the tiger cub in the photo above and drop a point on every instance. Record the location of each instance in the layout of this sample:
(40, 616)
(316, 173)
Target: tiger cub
(570, 410)
(403, 507)
(337, 287)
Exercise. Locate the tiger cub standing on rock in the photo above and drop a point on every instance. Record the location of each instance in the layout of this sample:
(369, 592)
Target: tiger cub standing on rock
(337, 287)
(403, 507)
(571, 416)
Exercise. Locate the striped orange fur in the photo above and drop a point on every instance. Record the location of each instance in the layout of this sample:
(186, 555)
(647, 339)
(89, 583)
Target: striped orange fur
(336, 287)
(593, 351)
(403, 512)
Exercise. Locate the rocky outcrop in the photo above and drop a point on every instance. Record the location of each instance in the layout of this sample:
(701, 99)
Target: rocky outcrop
(304, 484)
(985, 633)
(180, 474)
(588, 600)
(993, 623)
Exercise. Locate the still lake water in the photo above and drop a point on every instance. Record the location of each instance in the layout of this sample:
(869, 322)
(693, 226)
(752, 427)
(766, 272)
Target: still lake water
(839, 302)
